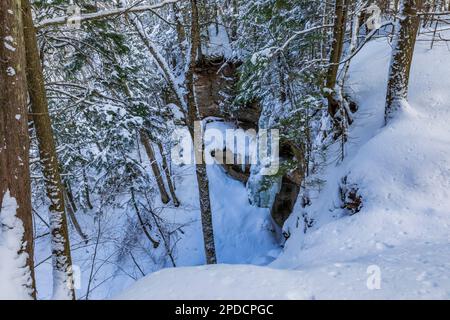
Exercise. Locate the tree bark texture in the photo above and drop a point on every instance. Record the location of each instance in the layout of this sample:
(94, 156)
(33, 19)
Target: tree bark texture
(61, 256)
(14, 137)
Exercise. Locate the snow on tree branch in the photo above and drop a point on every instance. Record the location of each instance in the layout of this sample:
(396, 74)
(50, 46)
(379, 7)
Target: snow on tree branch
(162, 64)
(271, 51)
(103, 14)
(366, 39)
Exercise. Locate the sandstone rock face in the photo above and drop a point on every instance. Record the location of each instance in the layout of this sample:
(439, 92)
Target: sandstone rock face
(215, 85)
(236, 171)
(285, 201)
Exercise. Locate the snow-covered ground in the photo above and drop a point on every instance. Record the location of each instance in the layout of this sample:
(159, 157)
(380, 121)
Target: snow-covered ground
(401, 237)
(243, 233)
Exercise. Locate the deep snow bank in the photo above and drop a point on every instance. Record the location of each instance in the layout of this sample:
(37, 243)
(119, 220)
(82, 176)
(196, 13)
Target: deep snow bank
(422, 274)
(14, 276)
(403, 230)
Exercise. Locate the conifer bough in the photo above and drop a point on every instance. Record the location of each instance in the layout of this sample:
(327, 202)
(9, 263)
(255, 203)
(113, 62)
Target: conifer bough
(103, 14)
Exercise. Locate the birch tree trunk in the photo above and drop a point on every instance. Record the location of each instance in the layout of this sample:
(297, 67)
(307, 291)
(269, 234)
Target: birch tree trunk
(62, 261)
(402, 53)
(14, 139)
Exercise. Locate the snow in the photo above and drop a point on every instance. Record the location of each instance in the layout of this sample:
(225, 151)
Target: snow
(334, 280)
(10, 71)
(13, 275)
(401, 237)
(243, 233)
(220, 282)
(103, 13)
(268, 53)
(162, 64)
(9, 43)
(264, 54)
(219, 42)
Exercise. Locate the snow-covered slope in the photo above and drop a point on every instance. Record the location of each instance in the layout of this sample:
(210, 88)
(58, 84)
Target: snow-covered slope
(243, 233)
(402, 234)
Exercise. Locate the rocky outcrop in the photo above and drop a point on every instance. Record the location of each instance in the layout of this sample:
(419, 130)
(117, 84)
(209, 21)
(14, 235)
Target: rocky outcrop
(236, 171)
(278, 192)
(291, 182)
(351, 199)
(285, 201)
(215, 84)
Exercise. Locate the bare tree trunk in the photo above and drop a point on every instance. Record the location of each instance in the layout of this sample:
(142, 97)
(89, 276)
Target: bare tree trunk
(71, 208)
(181, 33)
(402, 53)
(337, 45)
(193, 117)
(71, 213)
(87, 193)
(165, 167)
(70, 198)
(396, 6)
(62, 261)
(356, 20)
(14, 138)
(165, 70)
(234, 24)
(155, 167)
(154, 242)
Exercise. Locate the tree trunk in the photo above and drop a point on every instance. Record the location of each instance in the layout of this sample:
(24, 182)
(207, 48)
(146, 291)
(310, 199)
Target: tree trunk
(155, 168)
(154, 242)
(70, 198)
(87, 193)
(402, 53)
(71, 213)
(165, 70)
(187, 102)
(181, 33)
(193, 117)
(396, 6)
(234, 23)
(165, 166)
(336, 53)
(14, 138)
(62, 261)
